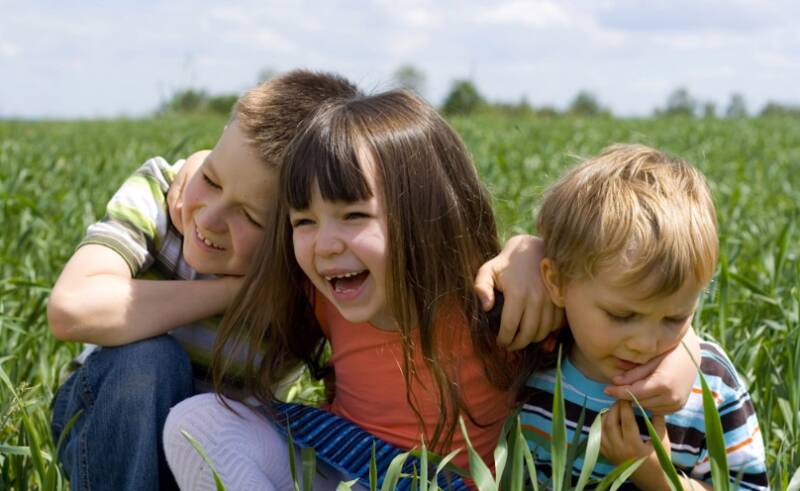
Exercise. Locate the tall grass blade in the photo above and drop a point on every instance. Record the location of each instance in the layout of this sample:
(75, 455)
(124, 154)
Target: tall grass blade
(480, 473)
(346, 485)
(576, 447)
(501, 451)
(423, 468)
(30, 431)
(558, 449)
(445, 462)
(783, 246)
(292, 459)
(663, 454)
(394, 472)
(309, 465)
(715, 440)
(715, 436)
(615, 473)
(202, 452)
(517, 478)
(530, 464)
(619, 481)
(592, 451)
(373, 470)
(794, 484)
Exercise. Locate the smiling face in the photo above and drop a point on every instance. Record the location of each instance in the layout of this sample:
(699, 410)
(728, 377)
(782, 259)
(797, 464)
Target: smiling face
(613, 327)
(225, 206)
(342, 247)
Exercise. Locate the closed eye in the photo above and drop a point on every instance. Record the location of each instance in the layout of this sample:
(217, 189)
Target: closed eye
(356, 215)
(677, 320)
(253, 220)
(210, 182)
(619, 317)
(299, 222)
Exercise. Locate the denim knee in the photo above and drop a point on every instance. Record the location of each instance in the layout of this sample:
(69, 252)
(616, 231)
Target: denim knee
(146, 369)
(124, 394)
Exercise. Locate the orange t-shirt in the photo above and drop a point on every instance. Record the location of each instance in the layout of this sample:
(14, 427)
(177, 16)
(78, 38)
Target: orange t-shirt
(370, 387)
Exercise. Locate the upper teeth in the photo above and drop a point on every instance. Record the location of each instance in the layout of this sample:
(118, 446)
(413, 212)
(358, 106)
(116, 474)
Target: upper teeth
(207, 242)
(340, 276)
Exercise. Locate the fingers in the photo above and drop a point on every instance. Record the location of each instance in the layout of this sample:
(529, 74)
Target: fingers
(484, 285)
(628, 427)
(513, 307)
(610, 436)
(653, 394)
(529, 327)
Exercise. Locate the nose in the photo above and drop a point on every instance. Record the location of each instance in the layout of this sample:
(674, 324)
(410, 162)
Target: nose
(328, 241)
(644, 341)
(212, 218)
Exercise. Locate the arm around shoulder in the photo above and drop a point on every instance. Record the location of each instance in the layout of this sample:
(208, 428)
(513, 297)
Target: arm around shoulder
(96, 300)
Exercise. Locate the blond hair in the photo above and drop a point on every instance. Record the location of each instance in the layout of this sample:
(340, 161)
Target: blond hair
(271, 113)
(638, 210)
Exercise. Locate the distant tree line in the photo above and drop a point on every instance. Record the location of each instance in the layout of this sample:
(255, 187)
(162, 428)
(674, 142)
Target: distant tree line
(464, 98)
(189, 101)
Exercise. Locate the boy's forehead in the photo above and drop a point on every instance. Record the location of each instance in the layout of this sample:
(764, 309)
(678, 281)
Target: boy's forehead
(639, 297)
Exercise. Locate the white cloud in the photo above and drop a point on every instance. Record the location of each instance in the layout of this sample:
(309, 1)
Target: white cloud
(529, 13)
(776, 60)
(704, 40)
(8, 50)
(420, 17)
(404, 46)
(264, 39)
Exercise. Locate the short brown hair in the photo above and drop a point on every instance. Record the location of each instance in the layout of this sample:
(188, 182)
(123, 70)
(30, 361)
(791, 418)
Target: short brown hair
(271, 113)
(636, 208)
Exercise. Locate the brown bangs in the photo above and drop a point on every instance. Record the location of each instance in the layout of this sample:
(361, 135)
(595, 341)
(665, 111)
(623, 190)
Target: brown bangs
(325, 153)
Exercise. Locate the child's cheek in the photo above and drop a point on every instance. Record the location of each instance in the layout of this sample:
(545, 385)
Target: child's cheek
(245, 243)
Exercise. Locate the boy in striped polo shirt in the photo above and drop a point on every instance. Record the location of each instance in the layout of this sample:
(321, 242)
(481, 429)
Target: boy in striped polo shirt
(106, 295)
(630, 242)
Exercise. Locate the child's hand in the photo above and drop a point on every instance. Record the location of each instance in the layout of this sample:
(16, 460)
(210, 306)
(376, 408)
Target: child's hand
(528, 314)
(663, 384)
(621, 441)
(175, 192)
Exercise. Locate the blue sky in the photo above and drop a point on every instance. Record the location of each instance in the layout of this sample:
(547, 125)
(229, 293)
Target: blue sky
(70, 59)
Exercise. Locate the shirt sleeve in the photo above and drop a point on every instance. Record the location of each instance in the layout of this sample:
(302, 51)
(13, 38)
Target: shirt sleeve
(744, 445)
(136, 218)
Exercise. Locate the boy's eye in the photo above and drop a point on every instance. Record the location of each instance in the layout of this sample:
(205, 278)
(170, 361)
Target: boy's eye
(677, 320)
(210, 182)
(619, 317)
(253, 220)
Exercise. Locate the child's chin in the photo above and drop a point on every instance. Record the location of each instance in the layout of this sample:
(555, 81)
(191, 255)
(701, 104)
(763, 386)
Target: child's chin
(199, 265)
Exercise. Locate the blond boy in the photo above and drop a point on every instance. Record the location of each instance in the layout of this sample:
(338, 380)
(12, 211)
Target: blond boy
(630, 243)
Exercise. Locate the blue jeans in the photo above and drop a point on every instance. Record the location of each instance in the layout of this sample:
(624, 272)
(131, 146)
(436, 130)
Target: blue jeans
(125, 394)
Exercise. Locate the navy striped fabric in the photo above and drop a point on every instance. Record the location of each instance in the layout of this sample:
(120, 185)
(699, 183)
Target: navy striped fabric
(346, 447)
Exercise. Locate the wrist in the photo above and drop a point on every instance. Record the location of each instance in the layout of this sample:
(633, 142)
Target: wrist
(231, 286)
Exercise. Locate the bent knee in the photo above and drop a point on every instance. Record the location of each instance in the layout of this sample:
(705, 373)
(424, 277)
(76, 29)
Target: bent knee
(146, 364)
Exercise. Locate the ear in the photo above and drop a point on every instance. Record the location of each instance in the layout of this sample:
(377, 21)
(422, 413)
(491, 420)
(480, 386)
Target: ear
(552, 281)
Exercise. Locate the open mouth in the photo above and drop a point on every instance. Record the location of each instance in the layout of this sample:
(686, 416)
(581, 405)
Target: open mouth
(348, 283)
(205, 240)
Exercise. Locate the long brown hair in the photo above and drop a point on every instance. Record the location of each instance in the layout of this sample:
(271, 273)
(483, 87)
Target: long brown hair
(440, 230)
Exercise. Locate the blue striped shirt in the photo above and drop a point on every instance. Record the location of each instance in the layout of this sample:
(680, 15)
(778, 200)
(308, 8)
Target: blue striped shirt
(686, 427)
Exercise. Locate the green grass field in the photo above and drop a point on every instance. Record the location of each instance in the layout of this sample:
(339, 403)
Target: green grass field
(56, 177)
